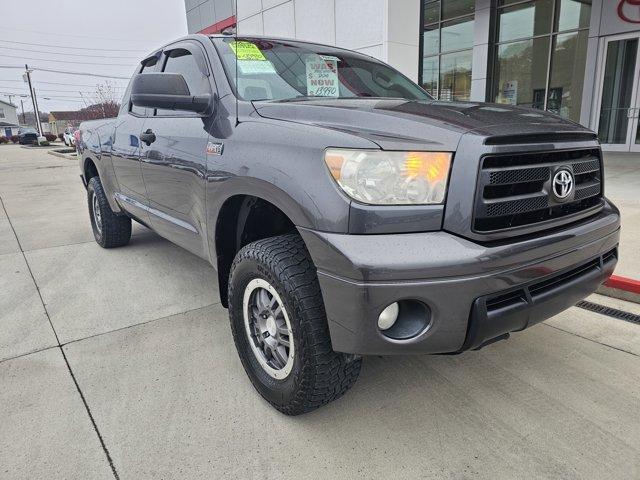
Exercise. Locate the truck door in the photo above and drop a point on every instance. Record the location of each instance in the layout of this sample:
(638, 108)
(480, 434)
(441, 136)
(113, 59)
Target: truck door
(132, 194)
(174, 162)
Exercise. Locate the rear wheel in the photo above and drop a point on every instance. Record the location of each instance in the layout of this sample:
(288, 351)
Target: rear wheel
(280, 328)
(109, 229)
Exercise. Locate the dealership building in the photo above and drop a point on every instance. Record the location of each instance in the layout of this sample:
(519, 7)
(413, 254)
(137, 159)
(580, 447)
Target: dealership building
(576, 58)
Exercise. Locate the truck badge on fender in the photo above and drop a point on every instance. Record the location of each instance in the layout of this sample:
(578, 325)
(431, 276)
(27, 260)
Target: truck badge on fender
(214, 148)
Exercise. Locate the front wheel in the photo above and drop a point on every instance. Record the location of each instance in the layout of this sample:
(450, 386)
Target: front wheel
(280, 328)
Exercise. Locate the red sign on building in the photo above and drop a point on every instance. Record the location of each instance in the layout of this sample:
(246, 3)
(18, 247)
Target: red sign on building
(629, 10)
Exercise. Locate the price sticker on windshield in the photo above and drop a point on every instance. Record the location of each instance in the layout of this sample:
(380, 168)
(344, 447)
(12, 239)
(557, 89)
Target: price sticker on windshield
(322, 77)
(247, 51)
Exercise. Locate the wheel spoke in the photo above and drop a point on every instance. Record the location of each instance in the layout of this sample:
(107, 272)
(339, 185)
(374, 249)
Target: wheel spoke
(279, 355)
(283, 341)
(273, 302)
(282, 328)
(262, 299)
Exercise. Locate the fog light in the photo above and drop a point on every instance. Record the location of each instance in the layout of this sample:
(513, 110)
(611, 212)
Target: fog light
(388, 316)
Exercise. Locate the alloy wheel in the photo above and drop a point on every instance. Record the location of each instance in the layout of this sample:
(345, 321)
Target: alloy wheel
(268, 328)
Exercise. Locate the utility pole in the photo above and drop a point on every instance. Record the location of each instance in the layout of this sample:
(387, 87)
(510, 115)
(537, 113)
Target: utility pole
(33, 99)
(24, 119)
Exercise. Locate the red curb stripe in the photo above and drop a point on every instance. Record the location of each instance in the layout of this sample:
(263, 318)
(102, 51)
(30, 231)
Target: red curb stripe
(623, 283)
(219, 26)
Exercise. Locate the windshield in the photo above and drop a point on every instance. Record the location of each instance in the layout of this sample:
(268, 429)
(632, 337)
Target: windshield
(27, 130)
(284, 70)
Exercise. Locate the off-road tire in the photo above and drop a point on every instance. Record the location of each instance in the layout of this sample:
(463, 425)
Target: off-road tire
(115, 228)
(319, 375)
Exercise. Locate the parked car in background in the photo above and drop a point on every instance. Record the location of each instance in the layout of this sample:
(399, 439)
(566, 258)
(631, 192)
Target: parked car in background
(347, 212)
(68, 136)
(27, 135)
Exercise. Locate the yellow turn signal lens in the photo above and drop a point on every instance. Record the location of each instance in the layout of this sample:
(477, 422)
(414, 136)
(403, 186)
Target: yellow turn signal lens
(334, 162)
(434, 166)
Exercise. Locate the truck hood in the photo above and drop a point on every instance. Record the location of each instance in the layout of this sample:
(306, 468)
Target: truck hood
(401, 124)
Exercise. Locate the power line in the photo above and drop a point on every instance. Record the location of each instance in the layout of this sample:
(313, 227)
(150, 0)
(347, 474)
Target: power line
(58, 83)
(72, 48)
(115, 87)
(51, 99)
(50, 96)
(65, 54)
(59, 91)
(82, 74)
(94, 37)
(71, 61)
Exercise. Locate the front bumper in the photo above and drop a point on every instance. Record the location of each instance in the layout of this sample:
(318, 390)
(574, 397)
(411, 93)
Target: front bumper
(475, 292)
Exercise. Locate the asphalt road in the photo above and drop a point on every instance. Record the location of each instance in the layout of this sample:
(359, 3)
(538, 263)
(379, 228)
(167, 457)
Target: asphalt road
(120, 364)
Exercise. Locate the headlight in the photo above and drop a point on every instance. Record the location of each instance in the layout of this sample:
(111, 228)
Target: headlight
(390, 178)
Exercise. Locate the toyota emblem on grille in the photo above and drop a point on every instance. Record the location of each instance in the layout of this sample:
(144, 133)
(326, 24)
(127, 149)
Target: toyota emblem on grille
(562, 184)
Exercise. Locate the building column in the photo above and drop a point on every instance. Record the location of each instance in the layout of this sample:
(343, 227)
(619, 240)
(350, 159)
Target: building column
(480, 78)
(401, 36)
(590, 86)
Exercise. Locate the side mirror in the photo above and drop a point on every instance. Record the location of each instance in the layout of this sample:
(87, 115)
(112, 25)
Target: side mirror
(168, 91)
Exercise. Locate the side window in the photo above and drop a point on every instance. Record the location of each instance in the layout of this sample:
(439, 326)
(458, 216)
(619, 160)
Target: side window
(183, 62)
(146, 68)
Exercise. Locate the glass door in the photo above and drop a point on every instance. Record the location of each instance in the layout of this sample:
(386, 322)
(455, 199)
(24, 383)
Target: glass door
(635, 121)
(619, 100)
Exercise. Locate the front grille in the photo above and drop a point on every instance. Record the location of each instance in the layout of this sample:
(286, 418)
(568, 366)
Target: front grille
(515, 190)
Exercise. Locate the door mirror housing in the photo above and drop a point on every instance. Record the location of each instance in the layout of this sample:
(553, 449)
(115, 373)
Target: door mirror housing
(168, 91)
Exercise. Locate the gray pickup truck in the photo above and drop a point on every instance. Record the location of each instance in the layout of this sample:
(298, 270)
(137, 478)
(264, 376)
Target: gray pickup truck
(347, 212)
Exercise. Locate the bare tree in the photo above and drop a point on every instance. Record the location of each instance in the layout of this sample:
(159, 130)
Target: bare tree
(103, 103)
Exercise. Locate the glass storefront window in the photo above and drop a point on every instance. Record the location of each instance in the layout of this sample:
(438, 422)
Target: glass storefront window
(457, 8)
(430, 73)
(536, 64)
(431, 12)
(447, 43)
(568, 58)
(457, 35)
(455, 76)
(431, 39)
(521, 72)
(525, 20)
(573, 14)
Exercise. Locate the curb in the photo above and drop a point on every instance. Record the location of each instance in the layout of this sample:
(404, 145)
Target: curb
(621, 287)
(68, 156)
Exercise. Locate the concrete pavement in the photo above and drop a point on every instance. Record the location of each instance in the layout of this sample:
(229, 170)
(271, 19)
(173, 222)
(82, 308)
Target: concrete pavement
(120, 363)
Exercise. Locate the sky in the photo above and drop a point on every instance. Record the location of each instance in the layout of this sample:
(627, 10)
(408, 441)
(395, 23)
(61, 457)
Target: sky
(99, 37)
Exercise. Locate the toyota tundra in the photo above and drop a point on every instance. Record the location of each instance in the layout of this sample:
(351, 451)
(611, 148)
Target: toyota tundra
(346, 211)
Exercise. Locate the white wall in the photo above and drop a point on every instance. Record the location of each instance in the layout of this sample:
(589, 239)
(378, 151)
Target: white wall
(385, 29)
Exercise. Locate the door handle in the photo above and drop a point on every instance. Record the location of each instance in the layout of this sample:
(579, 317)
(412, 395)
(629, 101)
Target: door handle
(148, 137)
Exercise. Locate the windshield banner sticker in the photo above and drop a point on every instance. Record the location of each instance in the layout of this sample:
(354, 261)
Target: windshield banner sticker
(251, 60)
(322, 77)
(247, 51)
